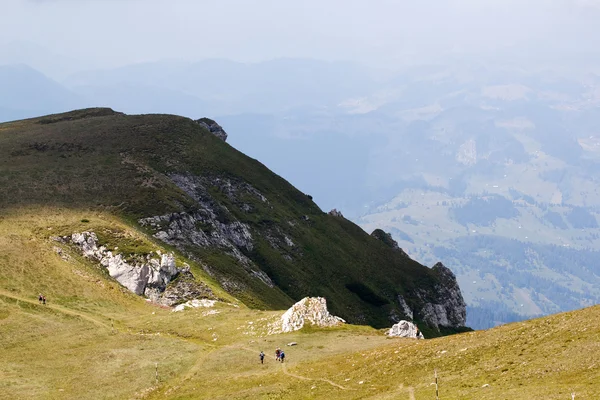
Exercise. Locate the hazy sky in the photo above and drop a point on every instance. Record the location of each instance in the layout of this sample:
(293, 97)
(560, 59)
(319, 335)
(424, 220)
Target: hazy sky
(116, 32)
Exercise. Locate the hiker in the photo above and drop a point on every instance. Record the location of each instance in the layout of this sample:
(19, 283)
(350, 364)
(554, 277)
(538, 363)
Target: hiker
(282, 356)
(277, 354)
(44, 300)
(40, 298)
(262, 357)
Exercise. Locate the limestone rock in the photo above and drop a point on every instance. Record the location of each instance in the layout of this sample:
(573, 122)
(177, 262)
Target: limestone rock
(196, 303)
(211, 225)
(312, 310)
(447, 308)
(183, 288)
(213, 128)
(147, 276)
(405, 308)
(336, 213)
(405, 329)
(61, 253)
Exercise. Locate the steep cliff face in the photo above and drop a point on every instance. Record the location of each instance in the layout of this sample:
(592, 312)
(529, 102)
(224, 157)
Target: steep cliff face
(213, 128)
(449, 309)
(442, 307)
(211, 226)
(262, 240)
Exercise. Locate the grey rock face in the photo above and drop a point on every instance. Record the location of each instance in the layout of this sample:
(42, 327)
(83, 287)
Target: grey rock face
(405, 308)
(279, 240)
(182, 230)
(405, 329)
(448, 308)
(435, 314)
(443, 306)
(184, 288)
(211, 225)
(336, 213)
(213, 128)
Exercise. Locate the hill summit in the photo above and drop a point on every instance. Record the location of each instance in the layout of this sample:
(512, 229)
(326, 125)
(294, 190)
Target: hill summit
(179, 185)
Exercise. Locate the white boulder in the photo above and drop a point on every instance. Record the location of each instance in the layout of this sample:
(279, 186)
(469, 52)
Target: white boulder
(196, 303)
(405, 329)
(312, 310)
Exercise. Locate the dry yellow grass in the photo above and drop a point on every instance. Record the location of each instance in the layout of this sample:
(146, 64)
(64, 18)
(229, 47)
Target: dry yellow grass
(94, 340)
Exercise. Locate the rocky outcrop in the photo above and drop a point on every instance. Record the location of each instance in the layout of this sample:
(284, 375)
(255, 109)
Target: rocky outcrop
(196, 303)
(150, 275)
(405, 329)
(311, 310)
(142, 276)
(408, 313)
(213, 128)
(336, 213)
(211, 225)
(201, 230)
(447, 308)
(184, 288)
(388, 240)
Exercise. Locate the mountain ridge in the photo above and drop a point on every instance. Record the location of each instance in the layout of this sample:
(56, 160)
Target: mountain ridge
(254, 233)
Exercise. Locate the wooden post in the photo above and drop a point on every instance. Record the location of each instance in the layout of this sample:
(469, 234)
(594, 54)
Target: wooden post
(156, 375)
(437, 394)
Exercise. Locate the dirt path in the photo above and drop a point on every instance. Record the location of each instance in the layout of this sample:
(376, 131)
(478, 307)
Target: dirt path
(303, 378)
(201, 356)
(188, 375)
(399, 393)
(174, 386)
(55, 307)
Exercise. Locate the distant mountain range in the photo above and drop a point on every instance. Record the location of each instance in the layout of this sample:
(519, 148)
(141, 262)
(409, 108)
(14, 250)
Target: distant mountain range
(25, 92)
(499, 176)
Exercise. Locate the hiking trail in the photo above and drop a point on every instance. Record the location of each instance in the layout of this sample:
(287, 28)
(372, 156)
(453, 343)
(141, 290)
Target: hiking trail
(303, 378)
(411, 393)
(55, 307)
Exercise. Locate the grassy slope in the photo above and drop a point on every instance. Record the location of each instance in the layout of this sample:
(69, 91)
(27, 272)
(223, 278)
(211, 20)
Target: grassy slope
(100, 160)
(95, 340)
